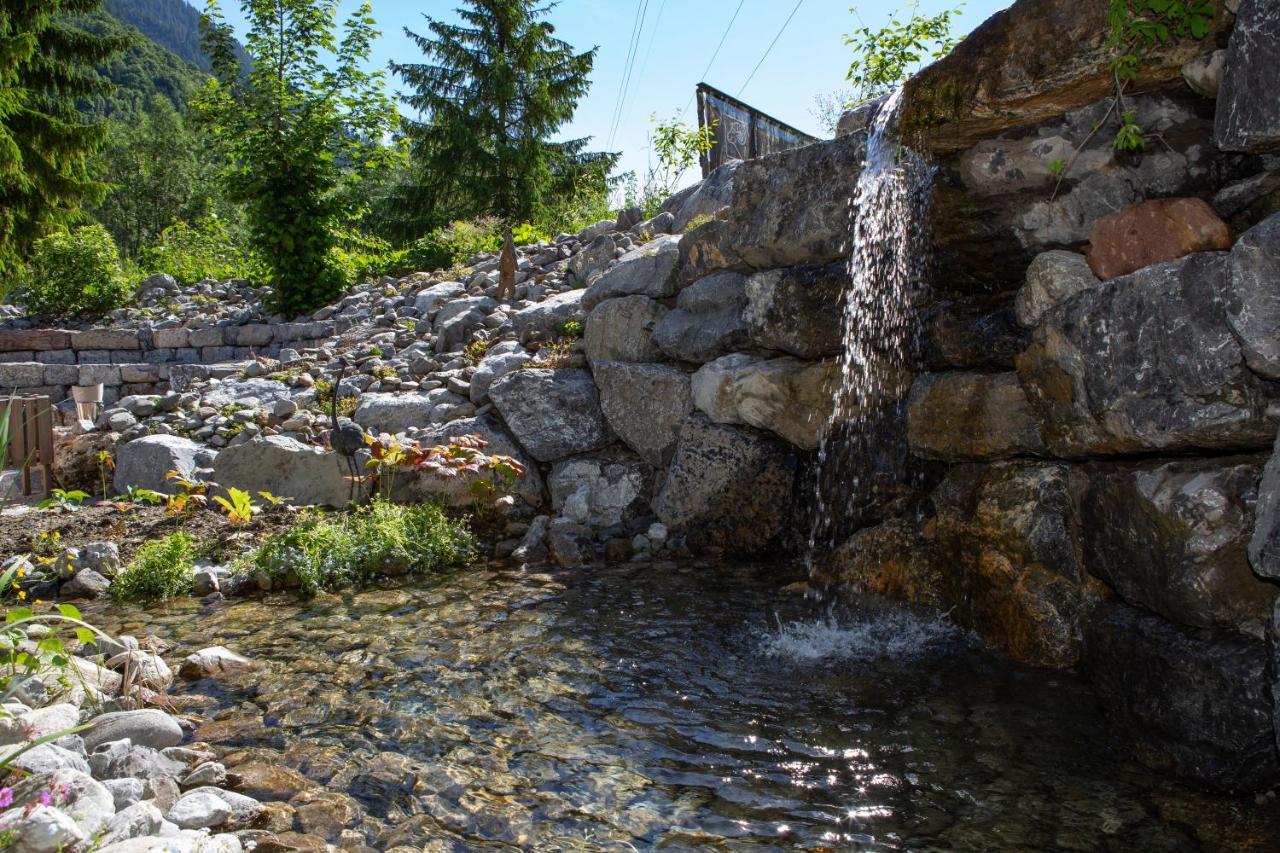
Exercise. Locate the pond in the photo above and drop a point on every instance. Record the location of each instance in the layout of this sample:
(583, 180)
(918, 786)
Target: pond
(676, 707)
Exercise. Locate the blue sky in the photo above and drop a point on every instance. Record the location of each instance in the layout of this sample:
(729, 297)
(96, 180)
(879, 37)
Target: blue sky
(809, 59)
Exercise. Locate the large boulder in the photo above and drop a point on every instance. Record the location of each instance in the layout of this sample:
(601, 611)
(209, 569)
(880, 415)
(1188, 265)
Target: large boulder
(707, 321)
(1000, 553)
(1248, 116)
(1052, 277)
(544, 318)
(971, 416)
(285, 467)
(704, 199)
(586, 266)
(622, 330)
(460, 491)
(552, 413)
(727, 487)
(1145, 364)
(396, 413)
(1172, 537)
(787, 396)
(1152, 232)
(1264, 544)
(645, 405)
(798, 311)
(75, 458)
(1253, 297)
(1197, 705)
(971, 333)
(145, 462)
(429, 300)
(646, 271)
(609, 488)
(493, 367)
(1033, 61)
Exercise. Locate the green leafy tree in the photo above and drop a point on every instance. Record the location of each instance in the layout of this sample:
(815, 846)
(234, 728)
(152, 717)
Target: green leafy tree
(161, 171)
(886, 57)
(46, 66)
(301, 135)
(492, 92)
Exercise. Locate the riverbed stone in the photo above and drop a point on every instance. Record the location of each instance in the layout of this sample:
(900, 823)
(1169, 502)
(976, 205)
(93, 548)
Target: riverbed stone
(1052, 277)
(145, 462)
(971, 416)
(213, 662)
(86, 801)
(145, 668)
(1248, 117)
(787, 396)
(707, 321)
(1146, 364)
(1194, 704)
(552, 413)
(798, 311)
(645, 405)
(726, 486)
(645, 271)
(135, 821)
(622, 330)
(1152, 232)
(43, 829)
(284, 466)
(1253, 296)
(146, 727)
(199, 810)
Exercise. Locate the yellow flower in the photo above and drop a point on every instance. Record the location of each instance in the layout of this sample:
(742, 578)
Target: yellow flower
(22, 593)
(22, 573)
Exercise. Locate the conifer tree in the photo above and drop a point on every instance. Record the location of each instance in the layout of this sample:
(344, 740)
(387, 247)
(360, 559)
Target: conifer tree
(492, 92)
(46, 66)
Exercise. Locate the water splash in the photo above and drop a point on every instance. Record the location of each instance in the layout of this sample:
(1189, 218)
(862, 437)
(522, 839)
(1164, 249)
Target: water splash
(862, 452)
(896, 634)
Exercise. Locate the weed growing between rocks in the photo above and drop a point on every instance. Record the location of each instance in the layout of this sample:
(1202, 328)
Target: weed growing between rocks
(325, 553)
(162, 569)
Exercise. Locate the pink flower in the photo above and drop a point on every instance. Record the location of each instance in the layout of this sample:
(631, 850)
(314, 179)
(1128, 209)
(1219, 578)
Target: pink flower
(45, 799)
(6, 797)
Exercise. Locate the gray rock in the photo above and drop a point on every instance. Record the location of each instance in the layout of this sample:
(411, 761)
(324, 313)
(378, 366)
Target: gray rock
(101, 557)
(570, 544)
(646, 271)
(531, 548)
(971, 333)
(1147, 363)
(1248, 115)
(971, 416)
(86, 583)
(144, 668)
(1204, 73)
(595, 230)
(1264, 544)
(663, 223)
(120, 759)
(255, 393)
(622, 330)
(243, 810)
(49, 758)
(87, 802)
(285, 467)
(144, 462)
(208, 773)
(135, 821)
(429, 300)
(213, 662)
(1196, 705)
(199, 810)
(645, 405)
(705, 198)
(1253, 297)
(147, 727)
(494, 367)
(1172, 537)
(39, 722)
(787, 396)
(552, 413)
(586, 266)
(125, 792)
(547, 316)
(799, 311)
(42, 830)
(707, 321)
(615, 486)
(397, 413)
(1052, 277)
(726, 486)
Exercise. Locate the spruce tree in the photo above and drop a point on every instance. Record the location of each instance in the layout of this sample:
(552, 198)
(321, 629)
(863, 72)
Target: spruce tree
(46, 67)
(492, 92)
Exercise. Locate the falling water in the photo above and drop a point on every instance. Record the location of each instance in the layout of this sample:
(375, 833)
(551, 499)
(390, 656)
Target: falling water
(862, 453)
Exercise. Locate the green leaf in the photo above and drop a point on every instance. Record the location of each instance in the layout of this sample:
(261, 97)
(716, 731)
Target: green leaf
(70, 611)
(19, 613)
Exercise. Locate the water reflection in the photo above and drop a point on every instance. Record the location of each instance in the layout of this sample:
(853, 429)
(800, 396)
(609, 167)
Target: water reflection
(635, 708)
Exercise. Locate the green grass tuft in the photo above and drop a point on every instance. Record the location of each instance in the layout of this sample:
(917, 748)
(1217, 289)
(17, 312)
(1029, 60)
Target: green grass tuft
(162, 570)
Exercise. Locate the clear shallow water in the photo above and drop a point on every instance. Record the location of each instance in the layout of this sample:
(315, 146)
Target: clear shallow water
(641, 708)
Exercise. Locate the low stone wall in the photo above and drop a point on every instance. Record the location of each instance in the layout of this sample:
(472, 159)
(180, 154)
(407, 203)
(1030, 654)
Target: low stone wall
(140, 361)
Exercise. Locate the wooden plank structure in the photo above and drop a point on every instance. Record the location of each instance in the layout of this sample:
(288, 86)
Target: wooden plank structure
(740, 131)
(30, 438)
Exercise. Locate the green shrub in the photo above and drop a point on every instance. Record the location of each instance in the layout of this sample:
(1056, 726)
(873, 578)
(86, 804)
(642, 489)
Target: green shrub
(362, 256)
(192, 252)
(527, 233)
(445, 248)
(380, 539)
(161, 570)
(75, 273)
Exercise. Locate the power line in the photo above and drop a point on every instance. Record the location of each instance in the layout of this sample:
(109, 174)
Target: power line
(712, 61)
(626, 69)
(653, 38)
(769, 50)
(626, 94)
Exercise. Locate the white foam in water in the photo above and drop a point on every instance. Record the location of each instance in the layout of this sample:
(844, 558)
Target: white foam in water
(863, 636)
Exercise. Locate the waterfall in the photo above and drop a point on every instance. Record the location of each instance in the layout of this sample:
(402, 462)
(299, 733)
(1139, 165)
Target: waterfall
(862, 451)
